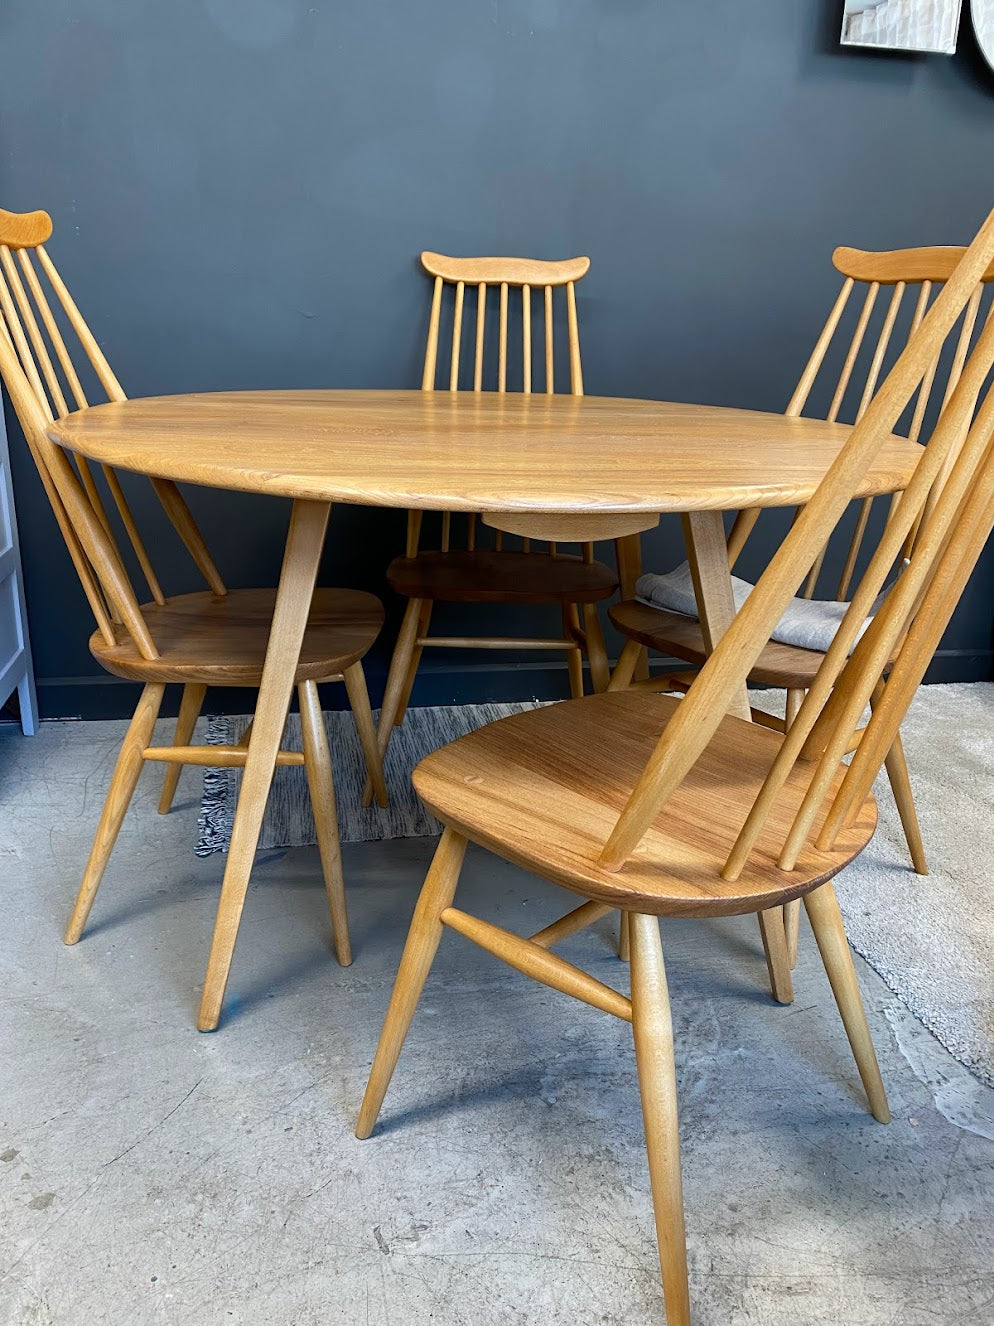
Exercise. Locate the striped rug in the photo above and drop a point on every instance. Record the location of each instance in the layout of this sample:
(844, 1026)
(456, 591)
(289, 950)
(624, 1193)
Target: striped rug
(288, 821)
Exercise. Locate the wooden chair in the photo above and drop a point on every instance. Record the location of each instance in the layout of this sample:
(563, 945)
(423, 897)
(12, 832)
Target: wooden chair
(214, 637)
(668, 807)
(859, 339)
(496, 574)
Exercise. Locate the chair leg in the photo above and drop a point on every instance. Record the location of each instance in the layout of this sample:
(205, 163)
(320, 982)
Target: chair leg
(122, 786)
(826, 922)
(189, 712)
(653, 1031)
(424, 620)
(574, 657)
(792, 910)
(792, 929)
(355, 685)
(795, 698)
(624, 669)
(775, 948)
(600, 671)
(396, 680)
(317, 765)
(897, 772)
(419, 952)
(624, 938)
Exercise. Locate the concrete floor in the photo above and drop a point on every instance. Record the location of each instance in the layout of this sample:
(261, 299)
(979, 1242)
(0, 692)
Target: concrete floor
(149, 1174)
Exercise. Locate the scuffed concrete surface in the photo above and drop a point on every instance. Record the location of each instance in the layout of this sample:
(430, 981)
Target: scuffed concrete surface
(149, 1174)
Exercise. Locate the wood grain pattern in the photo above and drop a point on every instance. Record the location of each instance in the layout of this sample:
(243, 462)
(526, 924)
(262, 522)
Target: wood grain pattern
(652, 1028)
(415, 963)
(505, 271)
(704, 535)
(127, 771)
(488, 576)
(305, 541)
(553, 527)
(826, 922)
(321, 785)
(24, 230)
(935, 263)
(536, 961)
(221, 641)
(583, 758)
(435, 450)
(673, 633)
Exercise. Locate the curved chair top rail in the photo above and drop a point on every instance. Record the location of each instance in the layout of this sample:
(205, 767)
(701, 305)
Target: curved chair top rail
(24, 230)
(482, 276)
(505, 271)
(902, 266)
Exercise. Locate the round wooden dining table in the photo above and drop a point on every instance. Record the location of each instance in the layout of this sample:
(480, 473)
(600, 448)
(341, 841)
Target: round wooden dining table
(585, 467)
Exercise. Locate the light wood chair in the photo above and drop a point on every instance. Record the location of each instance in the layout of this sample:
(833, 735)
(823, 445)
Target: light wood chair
(215, 637)
(859, 340)
(497, 574)
(671, 807)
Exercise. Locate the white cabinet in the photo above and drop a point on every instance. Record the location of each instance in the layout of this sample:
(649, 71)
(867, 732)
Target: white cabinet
(15, 653)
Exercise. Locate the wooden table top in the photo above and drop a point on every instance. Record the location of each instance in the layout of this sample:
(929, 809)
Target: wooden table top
(476, 452)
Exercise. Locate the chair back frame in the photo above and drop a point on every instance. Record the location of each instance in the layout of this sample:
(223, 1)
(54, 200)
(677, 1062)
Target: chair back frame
(30, 368)
(911, 621)
(526, 275)
(897, 270)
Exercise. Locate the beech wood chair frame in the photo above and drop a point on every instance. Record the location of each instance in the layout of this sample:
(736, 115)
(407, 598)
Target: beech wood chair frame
(124, 641)
(863, 359)
(482, 276)
(807, 799)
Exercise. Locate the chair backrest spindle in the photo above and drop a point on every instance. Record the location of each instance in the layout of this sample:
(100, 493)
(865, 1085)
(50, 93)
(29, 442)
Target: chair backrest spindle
(925, 269)
(472, 278)
(34, 355)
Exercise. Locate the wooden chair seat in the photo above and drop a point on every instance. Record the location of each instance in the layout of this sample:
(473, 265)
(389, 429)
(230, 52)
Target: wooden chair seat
(544, 789)
(674, 634)
(220, 640)
(491, 576)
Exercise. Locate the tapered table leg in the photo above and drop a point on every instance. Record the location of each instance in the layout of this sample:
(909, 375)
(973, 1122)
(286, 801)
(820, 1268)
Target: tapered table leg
(707, 552)
(628, 554)
(305, 540)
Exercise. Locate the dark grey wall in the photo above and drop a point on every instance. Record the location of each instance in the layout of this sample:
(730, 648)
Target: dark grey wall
(240, 189)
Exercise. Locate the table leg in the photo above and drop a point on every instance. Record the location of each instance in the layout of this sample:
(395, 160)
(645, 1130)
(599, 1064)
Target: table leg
(707, 551)
(305, 540)
(628, 554)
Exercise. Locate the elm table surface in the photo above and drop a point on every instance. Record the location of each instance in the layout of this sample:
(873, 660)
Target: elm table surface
(436, 450)
(458, 452)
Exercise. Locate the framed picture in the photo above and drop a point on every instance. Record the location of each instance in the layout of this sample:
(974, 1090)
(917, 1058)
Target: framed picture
(983, 26)
(902, 25)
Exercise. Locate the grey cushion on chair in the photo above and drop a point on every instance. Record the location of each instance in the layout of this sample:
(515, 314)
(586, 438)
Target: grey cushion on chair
(807, 623)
